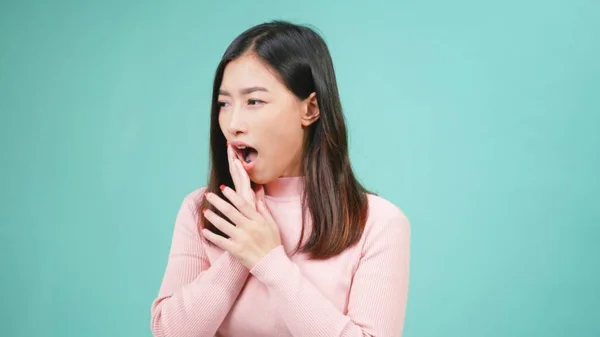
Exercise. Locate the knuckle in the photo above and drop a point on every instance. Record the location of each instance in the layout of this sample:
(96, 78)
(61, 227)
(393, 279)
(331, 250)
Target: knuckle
(220, 225)
(227, 208)
(246, 208)
(243, 239)
(239, 204)
(237, 250)
(246, 240)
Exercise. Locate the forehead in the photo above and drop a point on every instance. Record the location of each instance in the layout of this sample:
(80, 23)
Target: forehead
(248, 71)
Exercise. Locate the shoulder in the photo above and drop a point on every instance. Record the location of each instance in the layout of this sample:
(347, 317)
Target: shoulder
(385, 221)
(187, 220)
(194, 197)
(383, 210)
(190, 203)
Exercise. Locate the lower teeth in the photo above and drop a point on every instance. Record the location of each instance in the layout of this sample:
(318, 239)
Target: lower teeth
(248, 159)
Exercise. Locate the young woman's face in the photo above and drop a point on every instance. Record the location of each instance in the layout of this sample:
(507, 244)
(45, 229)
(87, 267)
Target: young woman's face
(258, 111)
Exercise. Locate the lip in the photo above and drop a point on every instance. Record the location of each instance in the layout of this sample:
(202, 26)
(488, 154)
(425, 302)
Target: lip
(235, 144)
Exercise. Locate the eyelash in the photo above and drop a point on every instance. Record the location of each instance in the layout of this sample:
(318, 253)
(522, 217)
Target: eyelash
(257, 101)
(222, 104)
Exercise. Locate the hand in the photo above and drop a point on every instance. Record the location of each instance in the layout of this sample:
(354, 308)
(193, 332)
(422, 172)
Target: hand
(255, 233)
(240, 178)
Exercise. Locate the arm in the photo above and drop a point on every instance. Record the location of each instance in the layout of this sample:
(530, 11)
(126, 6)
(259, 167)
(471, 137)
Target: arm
(377, 301)
(194, 297)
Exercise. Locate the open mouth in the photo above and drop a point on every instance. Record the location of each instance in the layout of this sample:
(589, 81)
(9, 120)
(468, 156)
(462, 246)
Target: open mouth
(246, 154)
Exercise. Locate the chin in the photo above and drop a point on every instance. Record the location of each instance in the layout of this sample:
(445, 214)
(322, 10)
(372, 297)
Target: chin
(260, 179)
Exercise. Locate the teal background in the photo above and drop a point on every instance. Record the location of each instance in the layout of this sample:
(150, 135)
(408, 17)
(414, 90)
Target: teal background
(479, 119)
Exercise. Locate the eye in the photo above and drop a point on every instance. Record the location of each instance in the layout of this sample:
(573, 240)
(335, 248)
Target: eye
(222, 104)
(255, 102)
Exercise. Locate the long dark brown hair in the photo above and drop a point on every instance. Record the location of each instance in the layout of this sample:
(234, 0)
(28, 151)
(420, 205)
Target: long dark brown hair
(333, 198)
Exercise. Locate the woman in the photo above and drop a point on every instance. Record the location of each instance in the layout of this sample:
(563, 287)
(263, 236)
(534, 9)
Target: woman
(283, 241)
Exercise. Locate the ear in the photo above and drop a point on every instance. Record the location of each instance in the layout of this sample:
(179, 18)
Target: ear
(310, 111)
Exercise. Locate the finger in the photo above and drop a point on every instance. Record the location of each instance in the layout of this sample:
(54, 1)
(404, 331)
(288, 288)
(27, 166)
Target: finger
(245, 187)
(265, 213)
(232, 168)
(220, 223)
(240, 203)
(245, 179)
(227, 209)
(218, 240)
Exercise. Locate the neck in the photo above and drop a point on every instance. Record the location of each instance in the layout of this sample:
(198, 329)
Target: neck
(285, 187)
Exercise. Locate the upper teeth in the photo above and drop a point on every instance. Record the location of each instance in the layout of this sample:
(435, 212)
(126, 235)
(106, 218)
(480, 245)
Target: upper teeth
(241, 147)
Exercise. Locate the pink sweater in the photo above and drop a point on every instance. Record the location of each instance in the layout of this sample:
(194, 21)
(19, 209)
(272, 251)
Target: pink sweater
(361, 292)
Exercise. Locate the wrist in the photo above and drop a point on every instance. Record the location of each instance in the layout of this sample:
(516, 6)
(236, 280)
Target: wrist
(273, 268)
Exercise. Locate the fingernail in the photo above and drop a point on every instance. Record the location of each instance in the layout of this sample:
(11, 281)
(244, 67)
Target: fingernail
(222, 187)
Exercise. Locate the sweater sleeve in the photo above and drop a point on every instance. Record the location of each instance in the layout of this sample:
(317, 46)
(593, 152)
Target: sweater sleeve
(195, 296)
(378, 295)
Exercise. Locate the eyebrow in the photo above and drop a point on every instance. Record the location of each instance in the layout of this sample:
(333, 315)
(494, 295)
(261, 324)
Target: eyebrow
(244, 91)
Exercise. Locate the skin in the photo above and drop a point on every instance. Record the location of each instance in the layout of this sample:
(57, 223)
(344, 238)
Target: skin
(257, 109)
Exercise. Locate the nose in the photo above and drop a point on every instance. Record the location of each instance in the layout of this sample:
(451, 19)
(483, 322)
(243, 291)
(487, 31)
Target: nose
(237, 124)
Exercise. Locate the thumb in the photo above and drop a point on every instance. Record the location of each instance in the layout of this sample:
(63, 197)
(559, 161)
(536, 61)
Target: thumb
(259, 192)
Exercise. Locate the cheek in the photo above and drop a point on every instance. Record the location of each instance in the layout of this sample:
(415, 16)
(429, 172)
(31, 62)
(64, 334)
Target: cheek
(285, 134)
